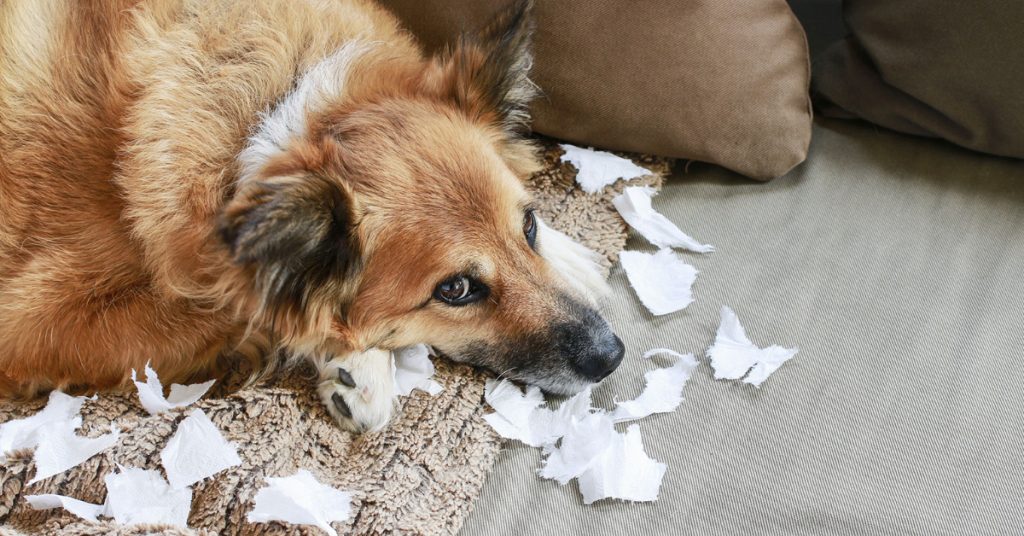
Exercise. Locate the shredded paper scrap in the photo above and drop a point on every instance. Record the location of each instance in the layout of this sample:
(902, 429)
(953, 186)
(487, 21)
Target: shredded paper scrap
(24, 433)
(634, 205)
(664, 391)
(732, 353)
(414, 370)
(197, 450)
(82, 509)
(60, 448)
(302, 500)
(133, 496)
(597, 169)
(151, 393)
(143, 496)
(661, 280)
(580, 442)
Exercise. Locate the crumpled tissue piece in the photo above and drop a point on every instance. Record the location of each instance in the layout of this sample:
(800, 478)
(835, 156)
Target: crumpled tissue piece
(414, 370)
(623, 471)
(634, 205)
(513, 410)
(580, 441)
(547, 425)
(732, 353)
(197, 450)
(597, 169)
(661, 280)
(82, 509)
(519, 416)
(606, 464)
(583, 442)
(23, 433)
(151, 393)
(664, 390)
(143, 496)
(300, 499)
(61, 449)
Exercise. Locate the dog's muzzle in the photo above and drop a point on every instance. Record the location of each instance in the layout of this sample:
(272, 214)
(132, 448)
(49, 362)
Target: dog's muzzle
(592, 350)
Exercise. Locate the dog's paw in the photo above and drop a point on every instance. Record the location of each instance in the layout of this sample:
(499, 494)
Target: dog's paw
(359, 390)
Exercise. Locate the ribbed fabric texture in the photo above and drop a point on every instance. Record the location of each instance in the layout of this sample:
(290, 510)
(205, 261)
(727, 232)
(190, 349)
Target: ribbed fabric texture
(895, 264)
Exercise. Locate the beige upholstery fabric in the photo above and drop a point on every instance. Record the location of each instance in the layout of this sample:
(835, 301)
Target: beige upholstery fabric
(895, 264)
(721, 82)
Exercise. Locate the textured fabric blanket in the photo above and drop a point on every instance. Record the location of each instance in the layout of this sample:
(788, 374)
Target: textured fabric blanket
(420, 475)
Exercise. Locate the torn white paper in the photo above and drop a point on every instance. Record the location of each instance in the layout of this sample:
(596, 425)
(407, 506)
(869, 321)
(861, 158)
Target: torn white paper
(661, 280)
(732, 353)
(607, 464)
(414, 370)
(664, 390)
(547, 426)
(61, 449)
(23, 433)
(623, 471)
(197, 450)
(634, 205)
(597, 169)
(300, 499)
(151, 393)
(519, 416)
(771, 359)
(513, 410)
(82, 509)
(584, 441)
(143, 496)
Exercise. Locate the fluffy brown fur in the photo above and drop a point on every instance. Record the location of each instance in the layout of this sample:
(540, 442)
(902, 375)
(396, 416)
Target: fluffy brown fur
(186, 179)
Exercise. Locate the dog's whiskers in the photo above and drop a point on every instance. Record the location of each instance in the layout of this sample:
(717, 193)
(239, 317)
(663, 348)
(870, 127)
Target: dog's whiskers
(501, 375)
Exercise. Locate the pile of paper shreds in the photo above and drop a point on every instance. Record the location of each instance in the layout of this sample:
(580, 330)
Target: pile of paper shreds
(579, 441)
(196, 451)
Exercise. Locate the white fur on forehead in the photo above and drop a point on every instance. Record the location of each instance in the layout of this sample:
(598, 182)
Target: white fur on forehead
(576, 263)
(287, 120)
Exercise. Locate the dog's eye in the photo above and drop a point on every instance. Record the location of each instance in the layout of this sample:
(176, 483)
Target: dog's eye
(460, 290)
(530, 228)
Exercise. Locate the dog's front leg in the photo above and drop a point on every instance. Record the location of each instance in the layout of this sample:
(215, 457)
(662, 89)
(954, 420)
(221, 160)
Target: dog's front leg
(358, 389)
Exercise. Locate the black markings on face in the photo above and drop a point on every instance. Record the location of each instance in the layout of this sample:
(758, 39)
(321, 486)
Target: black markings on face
(298, 235)
(576, 349)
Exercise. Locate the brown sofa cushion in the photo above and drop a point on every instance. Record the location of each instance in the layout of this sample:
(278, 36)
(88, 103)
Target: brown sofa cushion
(720, 82)
(942, 68)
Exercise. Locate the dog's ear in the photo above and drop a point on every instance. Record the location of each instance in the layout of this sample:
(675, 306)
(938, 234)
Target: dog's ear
(297, 233)
(487, 72)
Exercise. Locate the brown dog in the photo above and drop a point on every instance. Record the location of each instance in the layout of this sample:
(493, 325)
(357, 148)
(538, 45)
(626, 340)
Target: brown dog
(182, 180)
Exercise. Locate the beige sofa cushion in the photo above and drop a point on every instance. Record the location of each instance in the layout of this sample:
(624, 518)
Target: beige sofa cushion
(721, 82)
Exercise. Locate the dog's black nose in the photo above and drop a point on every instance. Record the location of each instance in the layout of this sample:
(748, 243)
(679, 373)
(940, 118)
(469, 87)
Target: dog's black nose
(601, 360)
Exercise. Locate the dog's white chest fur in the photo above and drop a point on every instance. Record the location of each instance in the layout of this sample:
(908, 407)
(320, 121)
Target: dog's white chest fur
(287, 120)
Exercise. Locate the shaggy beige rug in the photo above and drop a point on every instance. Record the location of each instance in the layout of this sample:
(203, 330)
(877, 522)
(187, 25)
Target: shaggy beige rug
(421, 475)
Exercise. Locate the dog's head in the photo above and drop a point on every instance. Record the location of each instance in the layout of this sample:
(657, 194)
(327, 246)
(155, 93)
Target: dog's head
(382, 204)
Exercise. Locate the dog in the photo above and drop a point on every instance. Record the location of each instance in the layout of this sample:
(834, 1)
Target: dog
(183, 181)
